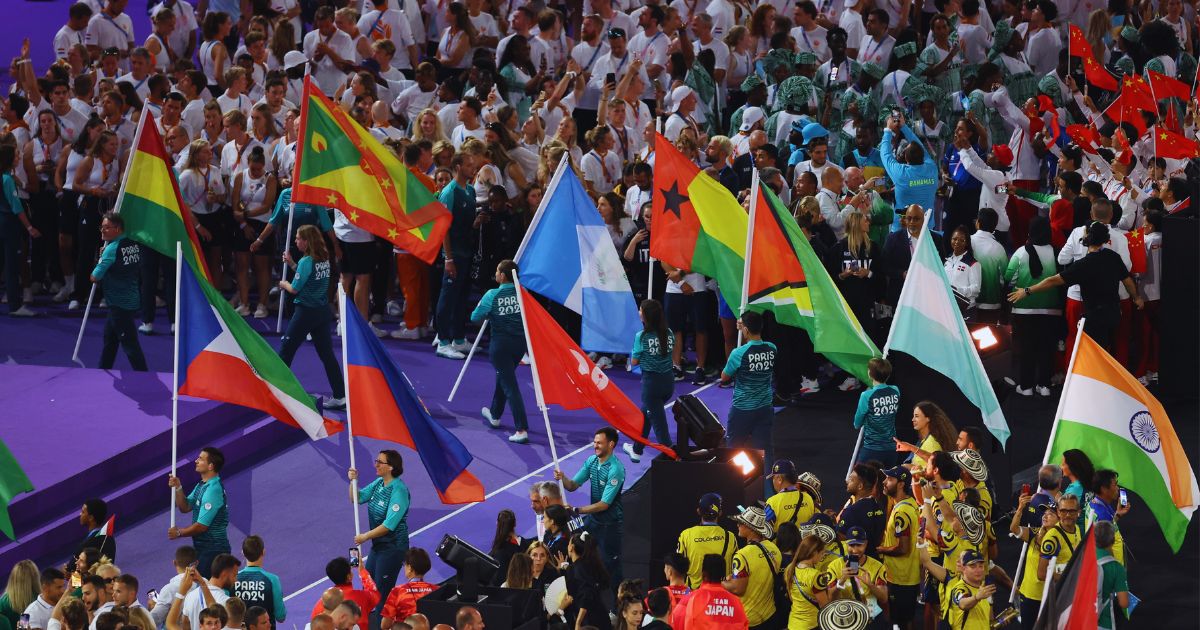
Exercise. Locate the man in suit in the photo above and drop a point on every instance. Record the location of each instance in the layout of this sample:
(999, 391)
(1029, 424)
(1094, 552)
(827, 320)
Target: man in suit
(94, 516)
(899, 246)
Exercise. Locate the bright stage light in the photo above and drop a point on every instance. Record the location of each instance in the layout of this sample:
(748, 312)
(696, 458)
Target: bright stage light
(744, 462)
(984, 338)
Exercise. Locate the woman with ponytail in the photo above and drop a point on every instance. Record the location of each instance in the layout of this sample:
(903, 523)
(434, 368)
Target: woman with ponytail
(652, 348)
(1037, 317)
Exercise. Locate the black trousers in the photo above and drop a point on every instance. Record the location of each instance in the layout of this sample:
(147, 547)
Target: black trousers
(120, 329)
(87, 244)
(155, 264)
(44, 265)
(1035, 343)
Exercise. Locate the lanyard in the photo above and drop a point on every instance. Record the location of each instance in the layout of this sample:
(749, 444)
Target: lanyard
(807, 44)
(650, 43)
(622, 64)
(375, 31)
(119, 27)
(591, 61)
(624, 144)
(878, 45)
(608, 179)
(104, 168)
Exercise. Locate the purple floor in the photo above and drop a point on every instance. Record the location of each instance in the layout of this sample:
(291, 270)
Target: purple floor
(289, 497)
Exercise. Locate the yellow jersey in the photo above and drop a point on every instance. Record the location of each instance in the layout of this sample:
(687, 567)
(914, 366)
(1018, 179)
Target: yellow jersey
(789, 506)
(985, 497)
(903, 522)
(929, 445)
(833, 551)
(805, 584)
(1031, 586)
(979, 617)
(700, 540)
(869, 570)
(1061, 544)
(758, 563)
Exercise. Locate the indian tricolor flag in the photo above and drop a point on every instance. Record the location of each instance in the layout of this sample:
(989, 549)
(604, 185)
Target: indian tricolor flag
(339, 164)
(219, 357)
(149, 201)
(1106, 413)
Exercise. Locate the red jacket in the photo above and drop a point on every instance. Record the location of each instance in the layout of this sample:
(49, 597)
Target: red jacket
(402, 601)
(709, 607)
(367, 598)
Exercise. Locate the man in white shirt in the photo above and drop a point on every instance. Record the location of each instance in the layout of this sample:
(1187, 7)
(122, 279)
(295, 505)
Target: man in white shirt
(685, 101)
(617, 61)
(182, 40)
(722, 12)
(877, 46)
(203, 594)
(809, 36)
(418, 97)
(851, 21)
(523, 21)
(125, 591)
(592, 45)
(469, 112)
(234, 97)
(273, 98)
(702, 27)
(1042, 42)
(74, 31)
(184, 556)
(70, 121)
(992, 175)
(817, 140)
(612, 19)
(650, 47)
(53, 585)
(140, 65)
(1075, 250)
(331, 50)
(237, 146)
(189, 86)
(110, 28)
(832, 185)
(487, 32)
(392, 25)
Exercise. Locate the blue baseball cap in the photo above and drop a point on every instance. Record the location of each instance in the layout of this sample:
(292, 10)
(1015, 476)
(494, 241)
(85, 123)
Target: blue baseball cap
(783, 467)
(710, 506)
(855, 535)
(970, 556)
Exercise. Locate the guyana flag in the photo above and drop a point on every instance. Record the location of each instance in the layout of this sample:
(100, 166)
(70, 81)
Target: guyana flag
(788, 278)
(697, 223)
(149, 201)
(340, 165)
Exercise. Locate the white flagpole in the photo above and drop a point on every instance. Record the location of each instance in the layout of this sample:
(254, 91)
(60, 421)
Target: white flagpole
(537, 217)
(1058, 414)
(537, 384)
(349, 421)
(754, 194)
(1046, 587)
(175, 379)
(86, 311)
(283, 267)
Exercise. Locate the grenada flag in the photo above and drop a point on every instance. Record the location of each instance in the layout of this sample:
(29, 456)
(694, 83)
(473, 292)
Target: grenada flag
(341, 165)
(149, 201)
(1121, 426)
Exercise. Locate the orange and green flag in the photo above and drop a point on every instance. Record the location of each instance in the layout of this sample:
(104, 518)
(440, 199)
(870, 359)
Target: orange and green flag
(339, 164)
(149, 201)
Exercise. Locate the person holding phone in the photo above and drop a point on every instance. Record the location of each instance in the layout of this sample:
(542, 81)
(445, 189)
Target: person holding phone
(858, 575)
(388, 500)
(1109, 503)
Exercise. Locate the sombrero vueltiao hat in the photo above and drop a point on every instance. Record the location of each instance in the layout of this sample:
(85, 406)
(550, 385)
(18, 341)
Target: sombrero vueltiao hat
(972, 521)
(844, 614)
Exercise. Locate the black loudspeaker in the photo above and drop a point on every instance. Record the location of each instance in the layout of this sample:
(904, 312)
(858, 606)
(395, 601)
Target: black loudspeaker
(456, 552)
(665, 500)
(1180, 307)
(500, 607)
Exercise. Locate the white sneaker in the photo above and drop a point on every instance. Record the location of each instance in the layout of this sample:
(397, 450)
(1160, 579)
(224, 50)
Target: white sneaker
(633, 457)
(520, 437)
(261, 312)
(604, 363)
(378, 332)
(437, 341)
(333, 403)
(809, 386)
(394, 309)
(103, 304)
(1043, 391)
(461, 346)
(146, 329)
(404, 332)
(487, 415)
(525, 359)
(242, 310)
(63, 295)
(376, 318)
(850, 384)
(159, 302)
(24, 311)
(1025, 391)
(73, 306)
(447, 352)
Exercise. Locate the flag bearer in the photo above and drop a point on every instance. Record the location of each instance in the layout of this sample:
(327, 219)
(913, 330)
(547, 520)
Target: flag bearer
(505, 350)
(119, 271)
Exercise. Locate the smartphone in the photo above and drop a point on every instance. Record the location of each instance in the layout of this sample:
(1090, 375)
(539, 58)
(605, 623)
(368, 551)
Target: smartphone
(23, 623)
(1124, 498)
(151, 595)
(611, 77)
(355, 556)
(1001, 190)
(852, 562)
(1025, 488)
(833, 74)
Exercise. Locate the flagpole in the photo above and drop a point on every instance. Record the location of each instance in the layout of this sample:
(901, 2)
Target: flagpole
(1058, 414)
(1157, 123)
(754, 195)
(86, 311)
(537, 384)
(349, 420)
(283, 265)
(1046, 587)
(175, 379)
(537, 217)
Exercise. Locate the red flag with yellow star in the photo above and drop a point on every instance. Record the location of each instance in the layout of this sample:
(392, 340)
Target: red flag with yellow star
(339, 164)
(1174, 146)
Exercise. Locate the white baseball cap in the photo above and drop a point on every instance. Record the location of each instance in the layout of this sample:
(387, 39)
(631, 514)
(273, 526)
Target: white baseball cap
(679, 94)
(750, 117)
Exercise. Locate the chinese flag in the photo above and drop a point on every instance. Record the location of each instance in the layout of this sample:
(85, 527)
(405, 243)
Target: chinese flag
(1078, 44)
(1098, 76)
(1085, 136)
(1170, 145)
(1137, 250)
(1135, 92)
(1163, 86)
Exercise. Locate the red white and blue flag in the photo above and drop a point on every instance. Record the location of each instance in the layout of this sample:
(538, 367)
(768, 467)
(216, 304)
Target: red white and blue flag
(384, 406)
(221, 358)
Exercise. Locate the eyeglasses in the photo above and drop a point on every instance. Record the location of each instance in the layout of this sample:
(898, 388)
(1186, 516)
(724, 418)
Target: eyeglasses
(110, 580)
(381, 462)
(1066, 511)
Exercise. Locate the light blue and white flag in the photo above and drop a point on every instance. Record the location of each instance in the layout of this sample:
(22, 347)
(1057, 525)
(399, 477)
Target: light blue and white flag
(569, 257)
(929, 327)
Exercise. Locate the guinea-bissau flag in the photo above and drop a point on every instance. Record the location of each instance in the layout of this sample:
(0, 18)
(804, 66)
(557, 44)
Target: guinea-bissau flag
(788, 278)
(697, 223)
(339, 164)
(149, 200)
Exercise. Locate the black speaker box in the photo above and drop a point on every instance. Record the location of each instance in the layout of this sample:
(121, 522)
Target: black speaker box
(501, 607)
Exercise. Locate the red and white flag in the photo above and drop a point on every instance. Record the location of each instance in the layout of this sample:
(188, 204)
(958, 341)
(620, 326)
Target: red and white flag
(108, 527)
(569, 379)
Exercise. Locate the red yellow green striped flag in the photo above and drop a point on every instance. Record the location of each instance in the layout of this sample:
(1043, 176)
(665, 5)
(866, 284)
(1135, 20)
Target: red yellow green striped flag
(149, 200)
(339, 164)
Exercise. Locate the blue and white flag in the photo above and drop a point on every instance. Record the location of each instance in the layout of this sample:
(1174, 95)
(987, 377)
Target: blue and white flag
(568, 256)
(929, 327)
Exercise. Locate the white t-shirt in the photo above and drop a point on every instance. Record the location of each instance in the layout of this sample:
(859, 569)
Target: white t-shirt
(227, 104)
(878, 53)
(413, 101)
(283, 6)
(587, 56)
(974, 41)
(185, 25)
(604, 173)
(460, 134)
(65, 38)
(694, 280)
(233, 161)
(652, 51)
(39, 613)
(69, 124)
(193, 603)
(1041, 50)
(327, 75)
(347, 232)
(538, 50)
(814, 41)
(391, 25)
(105, 31)
(852, 23)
